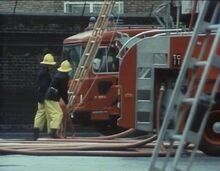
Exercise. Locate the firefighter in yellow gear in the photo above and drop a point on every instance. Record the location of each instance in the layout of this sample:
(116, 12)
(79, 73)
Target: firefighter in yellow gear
(43, 80)
(56, 91)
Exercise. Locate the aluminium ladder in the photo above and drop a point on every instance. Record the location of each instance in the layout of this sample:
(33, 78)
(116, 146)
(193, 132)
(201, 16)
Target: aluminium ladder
(90, 50)
(207, 23)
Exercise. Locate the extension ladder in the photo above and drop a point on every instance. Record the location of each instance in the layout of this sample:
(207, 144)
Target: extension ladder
(90, 50)
(208, 24)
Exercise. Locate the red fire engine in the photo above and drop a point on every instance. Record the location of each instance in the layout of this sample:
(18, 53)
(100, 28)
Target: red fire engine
(100, 89)
(137, 87)
(132, 88)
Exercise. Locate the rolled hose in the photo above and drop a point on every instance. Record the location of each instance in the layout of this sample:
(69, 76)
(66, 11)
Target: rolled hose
(118, 135)
(85, 153)
(57, 147)
(121, 134)
(29, 145)
(125, 150)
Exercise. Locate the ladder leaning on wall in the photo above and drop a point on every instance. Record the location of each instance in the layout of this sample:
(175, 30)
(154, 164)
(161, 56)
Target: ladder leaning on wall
(208, 22)
(90, 50)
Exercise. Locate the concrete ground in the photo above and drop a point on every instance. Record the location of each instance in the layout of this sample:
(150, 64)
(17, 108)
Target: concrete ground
(84, 163)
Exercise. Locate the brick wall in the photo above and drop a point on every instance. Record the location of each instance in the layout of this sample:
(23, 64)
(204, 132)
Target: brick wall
(31, 6)
(140, 7)
(17, 77)
(18, 70)
(131, 7)
(15, 67)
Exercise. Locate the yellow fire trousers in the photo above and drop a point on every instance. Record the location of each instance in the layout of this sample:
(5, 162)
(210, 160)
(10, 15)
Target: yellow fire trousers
(41, 117)
(54, 114)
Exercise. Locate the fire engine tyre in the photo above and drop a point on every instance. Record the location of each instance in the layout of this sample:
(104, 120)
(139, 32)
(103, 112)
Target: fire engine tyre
(210, 142)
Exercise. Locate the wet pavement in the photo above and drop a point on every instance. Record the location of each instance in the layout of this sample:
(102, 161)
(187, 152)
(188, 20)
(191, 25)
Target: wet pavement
(84, 163)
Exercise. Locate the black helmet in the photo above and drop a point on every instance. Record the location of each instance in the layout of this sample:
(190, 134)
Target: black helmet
(92, 19)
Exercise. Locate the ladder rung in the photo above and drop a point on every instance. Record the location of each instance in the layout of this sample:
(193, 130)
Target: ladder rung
(98, 29)
(196, 63)
(188, 100)
(213, 27)
(200, 63)
(203, 98)
(87, 54)
(77, 79)
(191, 137)
(70, 92)
(216, 62)
(206, 99)
(82, 67)
(176, 137)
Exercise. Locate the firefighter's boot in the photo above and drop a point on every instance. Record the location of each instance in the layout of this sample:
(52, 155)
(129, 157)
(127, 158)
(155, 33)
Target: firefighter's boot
(36, 132)
(53, 133)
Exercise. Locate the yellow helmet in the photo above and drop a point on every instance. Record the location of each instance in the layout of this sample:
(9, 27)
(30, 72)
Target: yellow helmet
(48, 60)
(65, 66)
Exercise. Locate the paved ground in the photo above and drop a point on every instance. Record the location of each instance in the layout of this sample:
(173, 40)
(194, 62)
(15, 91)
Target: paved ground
(79, 163)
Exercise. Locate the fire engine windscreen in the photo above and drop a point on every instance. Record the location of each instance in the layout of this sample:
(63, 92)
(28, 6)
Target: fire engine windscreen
(73, 54)
(104, 61)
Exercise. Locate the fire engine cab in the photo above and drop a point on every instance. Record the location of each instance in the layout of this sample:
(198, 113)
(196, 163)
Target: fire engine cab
(99, 90)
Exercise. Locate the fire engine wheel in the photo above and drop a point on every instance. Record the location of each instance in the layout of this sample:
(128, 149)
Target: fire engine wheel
(210, 143)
